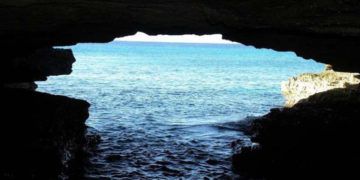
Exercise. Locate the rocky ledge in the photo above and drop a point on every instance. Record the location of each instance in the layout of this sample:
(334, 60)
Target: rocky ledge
(42, 135)
(314, 138)
(300, 88)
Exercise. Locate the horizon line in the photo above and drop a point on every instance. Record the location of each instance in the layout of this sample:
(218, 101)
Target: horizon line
(187, 38)
(175, 42)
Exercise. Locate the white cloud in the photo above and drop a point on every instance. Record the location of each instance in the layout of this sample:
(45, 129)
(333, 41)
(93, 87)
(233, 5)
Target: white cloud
(142, 37)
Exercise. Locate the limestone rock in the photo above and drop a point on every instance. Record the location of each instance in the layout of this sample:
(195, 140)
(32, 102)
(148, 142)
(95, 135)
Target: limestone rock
(301, 87)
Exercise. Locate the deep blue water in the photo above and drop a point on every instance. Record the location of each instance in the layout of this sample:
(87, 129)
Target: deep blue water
(168, 110)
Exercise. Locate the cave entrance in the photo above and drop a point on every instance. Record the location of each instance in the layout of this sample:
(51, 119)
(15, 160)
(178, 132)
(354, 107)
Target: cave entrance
(171, 108)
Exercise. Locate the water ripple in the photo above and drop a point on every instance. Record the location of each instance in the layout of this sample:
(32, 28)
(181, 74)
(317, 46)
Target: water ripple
(167, 111)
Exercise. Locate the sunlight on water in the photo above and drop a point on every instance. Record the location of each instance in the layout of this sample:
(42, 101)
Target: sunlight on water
(161, 108)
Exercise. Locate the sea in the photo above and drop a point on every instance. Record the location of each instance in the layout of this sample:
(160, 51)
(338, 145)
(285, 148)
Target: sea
(172, 110)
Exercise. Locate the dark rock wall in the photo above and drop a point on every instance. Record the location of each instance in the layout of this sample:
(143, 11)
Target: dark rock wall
(315, 138)
(40, 133)
(37, 65)
(325, 30)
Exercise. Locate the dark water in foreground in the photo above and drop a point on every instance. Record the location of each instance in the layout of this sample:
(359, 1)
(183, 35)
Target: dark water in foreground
(168, 111)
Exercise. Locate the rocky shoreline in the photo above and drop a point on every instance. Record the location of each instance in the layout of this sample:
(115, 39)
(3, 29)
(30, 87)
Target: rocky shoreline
(299, 88)
(315, 137)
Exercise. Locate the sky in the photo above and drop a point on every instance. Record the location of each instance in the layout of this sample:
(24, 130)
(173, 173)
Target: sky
(142, 37)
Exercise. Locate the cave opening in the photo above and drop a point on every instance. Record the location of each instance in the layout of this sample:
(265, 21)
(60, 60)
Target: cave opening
(163, 114)
(172, 108)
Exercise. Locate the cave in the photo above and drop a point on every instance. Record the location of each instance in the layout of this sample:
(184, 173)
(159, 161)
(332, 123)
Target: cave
(45, 136)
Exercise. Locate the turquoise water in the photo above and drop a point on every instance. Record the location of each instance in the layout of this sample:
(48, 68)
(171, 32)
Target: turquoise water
(168, 110)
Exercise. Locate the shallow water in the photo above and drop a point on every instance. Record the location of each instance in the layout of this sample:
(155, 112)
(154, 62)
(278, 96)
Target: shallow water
(168, 110)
